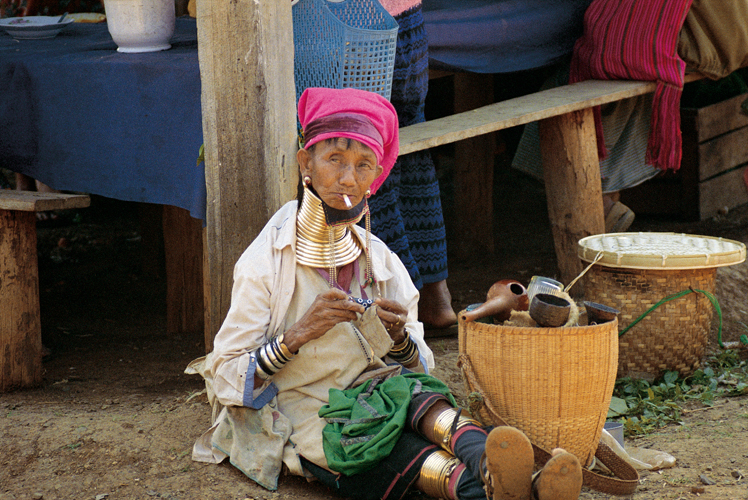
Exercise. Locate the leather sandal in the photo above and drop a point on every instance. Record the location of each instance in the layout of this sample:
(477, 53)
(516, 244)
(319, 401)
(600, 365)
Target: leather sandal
(559, 479)
(619, 218)
(509, 462)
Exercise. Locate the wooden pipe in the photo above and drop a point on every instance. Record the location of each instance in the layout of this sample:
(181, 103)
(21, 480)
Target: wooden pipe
(503, 297)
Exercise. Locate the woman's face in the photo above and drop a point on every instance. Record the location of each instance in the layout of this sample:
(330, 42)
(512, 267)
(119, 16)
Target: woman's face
(339, 167)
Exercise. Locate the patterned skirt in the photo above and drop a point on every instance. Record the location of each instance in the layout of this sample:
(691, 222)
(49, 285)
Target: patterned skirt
(406, 212)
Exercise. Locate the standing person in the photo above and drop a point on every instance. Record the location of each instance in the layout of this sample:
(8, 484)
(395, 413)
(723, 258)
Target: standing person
(406, 213)
(321, 365)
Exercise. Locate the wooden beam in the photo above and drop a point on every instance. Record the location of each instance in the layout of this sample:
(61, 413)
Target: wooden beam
(521, 110)
(245, 50)
(35, 201)
(517, 111)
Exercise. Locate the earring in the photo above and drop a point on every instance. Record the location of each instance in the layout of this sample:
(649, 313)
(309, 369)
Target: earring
(367, 193)
(307, 180)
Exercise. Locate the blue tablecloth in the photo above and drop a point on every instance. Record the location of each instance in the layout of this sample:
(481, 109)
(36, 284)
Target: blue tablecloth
(80, 116)
(501, 36)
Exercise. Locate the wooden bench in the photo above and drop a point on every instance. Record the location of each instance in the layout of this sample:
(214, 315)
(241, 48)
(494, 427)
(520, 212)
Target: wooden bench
(20, 327)
(569, 153)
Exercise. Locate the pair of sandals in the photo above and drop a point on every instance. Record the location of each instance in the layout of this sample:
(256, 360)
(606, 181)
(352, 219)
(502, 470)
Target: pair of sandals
(509, 464)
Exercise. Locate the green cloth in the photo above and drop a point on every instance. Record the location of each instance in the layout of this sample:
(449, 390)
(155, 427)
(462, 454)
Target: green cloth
(364, 423)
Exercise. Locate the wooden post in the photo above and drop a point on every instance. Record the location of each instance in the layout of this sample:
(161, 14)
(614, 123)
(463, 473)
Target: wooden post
(473, 173)
(245, 51)
(20, 328)
(572, 184)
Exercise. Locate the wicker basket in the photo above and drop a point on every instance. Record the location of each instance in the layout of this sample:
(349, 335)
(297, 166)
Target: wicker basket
(635, 271)
(555, 384)
(344, 44)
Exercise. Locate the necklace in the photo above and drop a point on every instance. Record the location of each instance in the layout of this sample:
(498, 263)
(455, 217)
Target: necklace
(319, 244)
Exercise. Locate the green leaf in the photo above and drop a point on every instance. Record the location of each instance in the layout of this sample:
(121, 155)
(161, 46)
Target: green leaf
(201, 154)
(671, 377)
(617, 407)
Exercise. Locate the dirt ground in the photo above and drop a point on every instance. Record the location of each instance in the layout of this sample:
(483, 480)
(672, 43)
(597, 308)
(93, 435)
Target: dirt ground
(116, 417)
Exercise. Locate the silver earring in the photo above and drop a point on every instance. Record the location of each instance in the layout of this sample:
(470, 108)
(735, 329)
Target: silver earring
(367, 193)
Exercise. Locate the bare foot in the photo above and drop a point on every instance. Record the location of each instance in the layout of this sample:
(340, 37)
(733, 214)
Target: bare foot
(435, 305)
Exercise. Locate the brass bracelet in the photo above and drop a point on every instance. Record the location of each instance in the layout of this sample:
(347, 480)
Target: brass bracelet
(443, 428)
(267, 349)
(404, 344)
(435, 473)
(275, 346)
(271, 357)
(445, 425)
(407, 358)
(284, 348)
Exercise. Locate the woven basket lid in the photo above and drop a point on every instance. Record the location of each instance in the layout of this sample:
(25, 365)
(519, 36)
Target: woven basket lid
(660, 250)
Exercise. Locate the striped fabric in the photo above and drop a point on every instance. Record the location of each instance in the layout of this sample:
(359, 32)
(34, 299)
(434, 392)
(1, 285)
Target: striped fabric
(406, 211)
(625, 125)
(637, 40)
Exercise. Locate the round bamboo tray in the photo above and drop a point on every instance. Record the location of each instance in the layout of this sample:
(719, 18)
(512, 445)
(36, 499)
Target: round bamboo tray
(554, 384)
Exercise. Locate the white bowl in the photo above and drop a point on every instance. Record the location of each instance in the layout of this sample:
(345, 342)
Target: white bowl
(140, 25)
(33, 27)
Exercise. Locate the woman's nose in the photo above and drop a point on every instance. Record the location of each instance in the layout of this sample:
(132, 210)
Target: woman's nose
(347, 175)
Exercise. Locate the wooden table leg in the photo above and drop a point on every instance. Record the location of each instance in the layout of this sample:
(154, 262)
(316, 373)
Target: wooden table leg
(572, 183)
(183, 248)
(20, 327)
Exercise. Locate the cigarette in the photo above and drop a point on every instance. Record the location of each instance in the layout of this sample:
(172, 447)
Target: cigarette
(347, 201)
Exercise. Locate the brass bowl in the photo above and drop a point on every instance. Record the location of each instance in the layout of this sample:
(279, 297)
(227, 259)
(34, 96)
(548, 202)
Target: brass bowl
(549, 310)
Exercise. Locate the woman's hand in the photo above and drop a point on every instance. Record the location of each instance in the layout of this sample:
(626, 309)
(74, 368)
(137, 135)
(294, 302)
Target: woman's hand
(393, 316)
(327, 310)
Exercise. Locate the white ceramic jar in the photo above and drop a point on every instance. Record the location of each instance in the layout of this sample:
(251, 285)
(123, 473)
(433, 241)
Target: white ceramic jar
(140, 25)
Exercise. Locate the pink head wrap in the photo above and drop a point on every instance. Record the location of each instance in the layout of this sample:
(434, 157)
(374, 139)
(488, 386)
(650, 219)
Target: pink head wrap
(354, 114)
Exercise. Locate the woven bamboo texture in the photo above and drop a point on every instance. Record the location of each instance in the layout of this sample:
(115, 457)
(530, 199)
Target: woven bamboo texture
(672, 337)
(554, 384)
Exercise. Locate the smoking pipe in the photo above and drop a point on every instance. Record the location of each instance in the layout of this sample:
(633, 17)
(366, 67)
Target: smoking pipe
(503, 297)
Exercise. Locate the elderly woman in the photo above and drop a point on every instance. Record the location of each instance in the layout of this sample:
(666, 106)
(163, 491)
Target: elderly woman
(321, 364)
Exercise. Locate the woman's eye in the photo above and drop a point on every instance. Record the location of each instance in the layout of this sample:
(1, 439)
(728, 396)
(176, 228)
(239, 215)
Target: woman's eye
(365, 166)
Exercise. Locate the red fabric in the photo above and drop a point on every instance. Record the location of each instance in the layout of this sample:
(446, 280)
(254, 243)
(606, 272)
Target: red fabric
(638, 40)
(316, 103)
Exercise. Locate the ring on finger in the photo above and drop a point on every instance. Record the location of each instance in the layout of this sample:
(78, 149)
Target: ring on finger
(399, 319)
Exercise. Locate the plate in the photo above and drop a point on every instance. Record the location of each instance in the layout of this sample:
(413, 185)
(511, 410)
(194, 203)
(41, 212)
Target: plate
(87, 17)
(33, 27)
